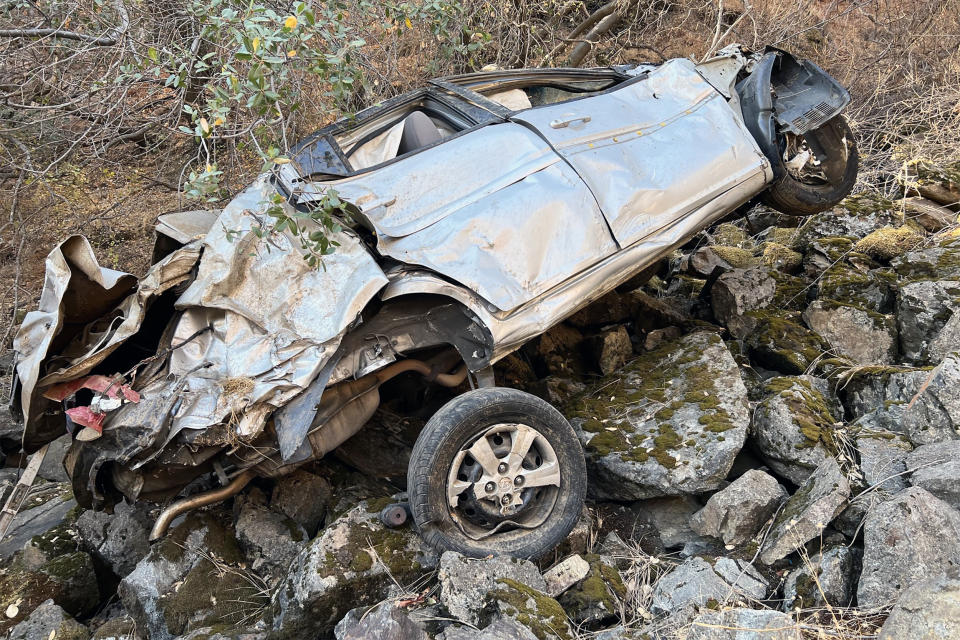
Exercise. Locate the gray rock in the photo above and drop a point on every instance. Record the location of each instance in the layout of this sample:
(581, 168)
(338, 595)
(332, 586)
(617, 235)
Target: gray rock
(923, 310)
(270, 539)
(793, 425)
(874, 290)
(658, 337)
(739, 291)
(517, 603)
(705, 260)
(737, 513)
(923, 405)
(219, 632)
(928, 214)
(883, 462)
(699, 582)
(779, 341)
(909, 538)
(856, 223)
(384, 622)
(35, 521)
(815, 504)
(671, 422)
(596, 599)
(670, 516)
(563, 575)
(946, 341)
(609, 350)
(500, 629)
(464, 582)
(744, 624)
(10, 429)
(866, 337)
(146, 591)
(119, 540)
(937, 469)
(929, 610)
(558, 390)
(303, 497)
(827, 578)
(49, 621)
(355, 561)
(52, 466)
(119, 628)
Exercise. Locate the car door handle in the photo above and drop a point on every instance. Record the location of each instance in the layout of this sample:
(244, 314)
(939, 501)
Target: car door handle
(561, 124)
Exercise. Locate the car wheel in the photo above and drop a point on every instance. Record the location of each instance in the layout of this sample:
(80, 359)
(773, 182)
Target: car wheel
(496, 471)
(819, 169)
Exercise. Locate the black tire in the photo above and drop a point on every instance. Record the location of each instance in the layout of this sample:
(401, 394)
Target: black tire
(797, 198)
(460, 422)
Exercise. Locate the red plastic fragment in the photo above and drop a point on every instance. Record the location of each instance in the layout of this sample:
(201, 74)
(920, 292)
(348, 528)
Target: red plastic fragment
(86, 417)
(101, 384)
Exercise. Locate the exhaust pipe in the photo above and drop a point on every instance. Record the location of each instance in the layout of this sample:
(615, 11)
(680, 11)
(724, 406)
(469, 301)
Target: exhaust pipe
(201, 499)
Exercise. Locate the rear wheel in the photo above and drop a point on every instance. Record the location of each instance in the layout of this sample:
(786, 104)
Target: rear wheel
(819, 169)
(496, 471)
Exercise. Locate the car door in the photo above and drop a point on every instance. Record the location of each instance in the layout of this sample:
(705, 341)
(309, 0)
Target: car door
(652, 149)
(493, 208)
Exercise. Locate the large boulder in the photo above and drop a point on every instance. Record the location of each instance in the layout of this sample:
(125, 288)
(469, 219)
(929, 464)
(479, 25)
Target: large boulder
(807, 513)
(855, 218)
(179, 586)
(779, 341)
(597, 598)
(303, 497)
(465, 582)
(909, 538)
(794, 425)
(515, 602)
(269, 539)
(827, 578)
(706, 582)
(355, 561)
(670, 517)
(671, 422)
(56, 513)
(928, 610)
(883, 461)
(874, 289)
(862, 335)
(737, 513)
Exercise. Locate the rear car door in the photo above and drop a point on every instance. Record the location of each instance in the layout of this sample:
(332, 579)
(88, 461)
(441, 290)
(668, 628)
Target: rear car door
(652, 149)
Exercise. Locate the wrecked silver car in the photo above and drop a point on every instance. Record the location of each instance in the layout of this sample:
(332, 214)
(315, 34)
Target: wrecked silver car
(486, 208)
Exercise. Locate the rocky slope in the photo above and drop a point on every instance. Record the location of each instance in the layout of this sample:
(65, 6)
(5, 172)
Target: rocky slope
(771, 426)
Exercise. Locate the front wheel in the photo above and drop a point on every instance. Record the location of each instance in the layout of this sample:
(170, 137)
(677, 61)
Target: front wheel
(819, 168)
(496, 471)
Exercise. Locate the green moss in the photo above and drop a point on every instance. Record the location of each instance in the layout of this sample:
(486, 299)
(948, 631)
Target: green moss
(731, 235)
(780, 343)
(369, 540)
(778, 256)
(866, 203)
(211, 595)
(734, 256)
(888, 243)
(809, 409)
(784, 236)
(537, 611)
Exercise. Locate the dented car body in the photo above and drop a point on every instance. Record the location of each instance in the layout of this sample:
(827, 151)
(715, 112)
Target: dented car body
(486, 208)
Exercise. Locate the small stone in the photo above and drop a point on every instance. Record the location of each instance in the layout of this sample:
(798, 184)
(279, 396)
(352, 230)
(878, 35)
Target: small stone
(595, 600)
(383, 622)
(928, 610)
(815, 504)
(744, 624)
(465, 582)
(701, 582)
(907, 539)
(705, 260)
(304, 498)
(656, 338)
(736, 514)
(531, 608)
(610, 350)
(826, 578)
(564, 575)
(739, 291)
(782, 258)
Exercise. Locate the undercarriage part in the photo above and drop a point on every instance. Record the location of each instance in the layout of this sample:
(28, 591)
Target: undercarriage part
(395, 515)
(201, 499)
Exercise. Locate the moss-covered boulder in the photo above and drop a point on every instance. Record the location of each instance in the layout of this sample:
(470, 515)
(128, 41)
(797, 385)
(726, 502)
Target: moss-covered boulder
(874, 289)
(858, 333)
(173, 589)
(532, 609)
(794, 426)
(596, 599)
(465, 582)
(670, 422)
(49, 621)
(352, 562)
(781, 257)
(854, 218)
(779, 341)
(68, 579)
(924, 310)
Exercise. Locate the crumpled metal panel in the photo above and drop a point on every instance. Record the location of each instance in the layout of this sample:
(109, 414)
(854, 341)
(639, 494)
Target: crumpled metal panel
(514, 244)
(77, 292)
(271, 285)
(653, 150)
